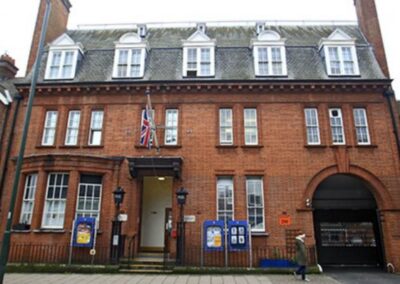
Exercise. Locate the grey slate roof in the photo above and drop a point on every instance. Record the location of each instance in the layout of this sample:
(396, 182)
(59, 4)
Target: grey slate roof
(233, 54)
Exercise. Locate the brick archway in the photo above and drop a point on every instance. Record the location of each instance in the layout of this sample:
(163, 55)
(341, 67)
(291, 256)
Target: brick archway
(382, 196)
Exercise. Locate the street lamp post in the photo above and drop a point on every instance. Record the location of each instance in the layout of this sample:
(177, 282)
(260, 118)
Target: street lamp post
(181, 194)
(116, 225)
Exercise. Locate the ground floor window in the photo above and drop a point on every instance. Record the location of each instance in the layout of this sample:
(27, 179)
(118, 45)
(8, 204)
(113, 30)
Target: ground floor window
(56, 198)
(28, 199)
(255, 203)
(89, 197)
(225, 199)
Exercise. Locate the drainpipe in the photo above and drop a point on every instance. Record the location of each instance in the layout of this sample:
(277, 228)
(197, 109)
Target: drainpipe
(3, 171)
(389, 93)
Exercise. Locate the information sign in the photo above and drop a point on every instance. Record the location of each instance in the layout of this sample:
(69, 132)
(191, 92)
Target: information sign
(238, 238)
(213, 235)
(84, 232)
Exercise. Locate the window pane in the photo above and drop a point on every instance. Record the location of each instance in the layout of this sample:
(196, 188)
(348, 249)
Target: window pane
(312, 127)
(361, 125)
(96, 128)
(336, 126)
(89, 197)
(225, 199)
(171, 127)
(28, 199)
(49, 128)
(250, 126)
(192, 58)
(255, 203)
(226, 130)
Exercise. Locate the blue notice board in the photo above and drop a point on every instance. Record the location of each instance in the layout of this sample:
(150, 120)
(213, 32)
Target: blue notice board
(213, 238)
(238, 235)
(84, 232)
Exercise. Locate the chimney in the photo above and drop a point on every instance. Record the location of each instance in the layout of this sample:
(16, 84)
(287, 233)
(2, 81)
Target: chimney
(57, 25)
(8, 70)
(369, 24)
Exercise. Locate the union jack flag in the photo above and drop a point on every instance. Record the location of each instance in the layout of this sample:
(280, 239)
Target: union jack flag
(146, 129)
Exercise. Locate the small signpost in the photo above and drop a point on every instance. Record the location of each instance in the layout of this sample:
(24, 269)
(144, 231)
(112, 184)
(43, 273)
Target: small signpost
(83, 235)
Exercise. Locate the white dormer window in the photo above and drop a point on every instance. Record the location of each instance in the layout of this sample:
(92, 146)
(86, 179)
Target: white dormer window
(340, 54)
(199, 55)
(63, 58)
(130, 55)
(269, 54)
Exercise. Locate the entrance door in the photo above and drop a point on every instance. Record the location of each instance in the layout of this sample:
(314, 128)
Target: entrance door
(346, 225)
(157, 196)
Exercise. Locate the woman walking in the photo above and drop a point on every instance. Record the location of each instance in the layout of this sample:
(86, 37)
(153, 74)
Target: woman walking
(301, 257)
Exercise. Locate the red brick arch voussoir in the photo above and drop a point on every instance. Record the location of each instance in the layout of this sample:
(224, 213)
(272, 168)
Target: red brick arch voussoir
(381, 194)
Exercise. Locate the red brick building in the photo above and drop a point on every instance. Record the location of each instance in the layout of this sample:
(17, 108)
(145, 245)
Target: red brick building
(289, 127)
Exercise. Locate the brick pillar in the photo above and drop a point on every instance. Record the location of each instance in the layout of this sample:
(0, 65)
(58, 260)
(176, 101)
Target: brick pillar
(57, 25)
(369, 25)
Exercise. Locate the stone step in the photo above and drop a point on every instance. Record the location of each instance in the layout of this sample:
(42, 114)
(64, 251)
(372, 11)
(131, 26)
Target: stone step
(145, 271)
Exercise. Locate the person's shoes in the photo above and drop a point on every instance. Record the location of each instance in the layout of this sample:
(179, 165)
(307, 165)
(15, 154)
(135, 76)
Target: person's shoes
(295, 275)
(307, 280)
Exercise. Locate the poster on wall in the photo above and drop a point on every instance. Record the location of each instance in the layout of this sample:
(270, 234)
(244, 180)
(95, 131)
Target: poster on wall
(84, 232)
(213, 235)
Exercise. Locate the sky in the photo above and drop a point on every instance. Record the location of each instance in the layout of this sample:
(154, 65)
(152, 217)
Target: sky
(17, 18)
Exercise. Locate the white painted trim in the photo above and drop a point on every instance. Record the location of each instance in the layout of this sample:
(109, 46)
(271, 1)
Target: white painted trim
(129, 48)
(262, 198)
(366, 125)
(244, 126)
(198, 60)
(44, 128)
(270, 68)
(62, 60)
(340, 54)
(3, 99)
(317, 119)
(223, 179)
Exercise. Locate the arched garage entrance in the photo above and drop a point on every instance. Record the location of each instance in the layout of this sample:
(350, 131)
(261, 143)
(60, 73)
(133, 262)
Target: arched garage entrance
(346, 225)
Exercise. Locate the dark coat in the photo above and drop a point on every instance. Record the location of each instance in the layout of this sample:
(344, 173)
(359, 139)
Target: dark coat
(301, 254)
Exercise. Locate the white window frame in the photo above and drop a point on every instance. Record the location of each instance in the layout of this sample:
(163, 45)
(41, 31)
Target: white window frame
(50, 127)
(130, 50)
(225, 181)
(359, 125)
(88, 212)
(28, 199)
(269, 48)
(248, 126)
(312, 112)
(63, 52)
(225, 126)
(48, 201)
(199, 61)
(341, 59)
(94, 129)
(340, 126)
(171, 126)
(71, 127)
(260, 179)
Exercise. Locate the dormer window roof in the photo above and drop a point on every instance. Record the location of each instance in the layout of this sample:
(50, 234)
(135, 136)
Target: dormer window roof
(269, 53)
(130, 55)
(340, 54)
(199, 54)
(64, 55)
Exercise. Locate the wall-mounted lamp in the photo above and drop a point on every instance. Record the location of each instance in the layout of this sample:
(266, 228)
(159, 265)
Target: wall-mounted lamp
(308, 203)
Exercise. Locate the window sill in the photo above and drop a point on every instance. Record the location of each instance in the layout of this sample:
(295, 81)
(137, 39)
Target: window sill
(171, 146)
(69, 147)
(260, 234)
(369, 146)
(53, 231)
(252, 146)
(46, 146)
(92, 146)
(226, 146)
(16, 231)
(310, 146)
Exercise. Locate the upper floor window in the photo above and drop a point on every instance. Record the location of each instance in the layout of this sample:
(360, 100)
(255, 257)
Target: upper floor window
(28, 199)
(340, 54)
(96, 127)
(336, 121)
(250, 126)
(269, 54)
(361, 125)
(171, 127)
(71, 136)
(130, 55)
(89, 197)
(225, 126)
(225, 205)
(199, 55)
(63, 58)
(312, 126)
(49, 131)
(56, 199)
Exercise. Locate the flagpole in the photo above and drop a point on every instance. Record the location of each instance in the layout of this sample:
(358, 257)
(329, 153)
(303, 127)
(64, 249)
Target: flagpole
(152, 126)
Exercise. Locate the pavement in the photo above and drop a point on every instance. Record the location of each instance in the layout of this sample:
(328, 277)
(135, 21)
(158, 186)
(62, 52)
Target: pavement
(328, 278)
(362, 276)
